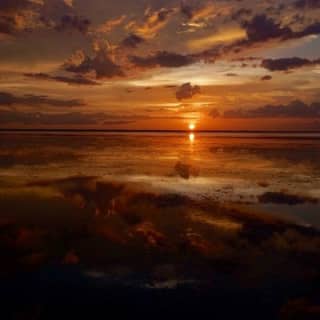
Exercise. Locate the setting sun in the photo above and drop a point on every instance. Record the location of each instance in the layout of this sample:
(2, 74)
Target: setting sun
(192, 126)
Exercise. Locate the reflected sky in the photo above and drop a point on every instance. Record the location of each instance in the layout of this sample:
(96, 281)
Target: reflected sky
(149, 212)
(234, 168)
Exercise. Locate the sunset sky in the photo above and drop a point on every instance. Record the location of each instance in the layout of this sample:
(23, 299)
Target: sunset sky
(160, 64)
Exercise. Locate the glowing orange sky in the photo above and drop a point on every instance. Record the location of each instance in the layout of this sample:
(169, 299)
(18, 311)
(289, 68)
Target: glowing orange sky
(159, 65)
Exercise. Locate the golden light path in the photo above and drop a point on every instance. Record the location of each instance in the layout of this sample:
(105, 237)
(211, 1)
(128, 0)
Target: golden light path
(191, 137)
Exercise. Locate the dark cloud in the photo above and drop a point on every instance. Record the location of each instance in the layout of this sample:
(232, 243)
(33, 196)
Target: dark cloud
(303, 4)
(162, 59)
(132, 41)
(28, 31)
(240, 13)
(246, 59)
(231, 74)
(76, 117)
(14, 15)
(214, 113)
(266, 78)
(161, 14)
(295, 109)
(39, 118)
(187, 10)
(11, 6)
(52, 10)
(262, 28)
(79, 80)
(8, 99)
(26, 15)
(276, 31)
(187, 91)
(102, 64)
(7, 25)
(285, 64)
(61, 16)
(285, 198)
(70, 23)
(259, 29)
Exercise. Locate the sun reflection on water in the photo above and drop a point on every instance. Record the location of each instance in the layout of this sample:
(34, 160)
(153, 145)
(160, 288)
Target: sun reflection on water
(191, 137)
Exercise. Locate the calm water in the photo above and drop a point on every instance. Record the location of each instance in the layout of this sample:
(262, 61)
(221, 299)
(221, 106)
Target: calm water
(203, 216)
(226, 167)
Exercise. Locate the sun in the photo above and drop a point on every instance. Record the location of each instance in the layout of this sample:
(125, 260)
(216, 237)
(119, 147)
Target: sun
(192, 126)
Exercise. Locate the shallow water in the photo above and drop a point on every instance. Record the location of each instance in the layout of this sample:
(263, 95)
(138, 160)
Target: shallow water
(199, 216)
(237, 168)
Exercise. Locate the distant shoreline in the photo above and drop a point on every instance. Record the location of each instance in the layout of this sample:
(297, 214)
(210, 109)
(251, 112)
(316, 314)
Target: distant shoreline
(161, 131)
(218, 134)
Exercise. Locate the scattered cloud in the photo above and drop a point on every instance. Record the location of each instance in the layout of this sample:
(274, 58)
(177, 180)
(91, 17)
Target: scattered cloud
(295, 109)
(225, 35)
(303, 4)
(40, 118)
(16, 16)
(153, 22)
(241, 13)
(187, 91)
(196, 11)
(111, 24)
(285, 64)
(260, 30)
(8, 99)
(132, 41)
(59, 119)
(101, 64)
(78, 80)
(266, 78)
(125, 43)
(70, 23)
(162, 59)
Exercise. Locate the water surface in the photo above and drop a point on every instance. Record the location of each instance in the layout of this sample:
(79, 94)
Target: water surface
(204, 216)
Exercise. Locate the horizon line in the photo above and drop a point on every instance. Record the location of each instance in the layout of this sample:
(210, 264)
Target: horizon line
(152, 130)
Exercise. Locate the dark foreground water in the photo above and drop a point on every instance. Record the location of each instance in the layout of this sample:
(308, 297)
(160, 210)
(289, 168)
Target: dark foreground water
(159, 225)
